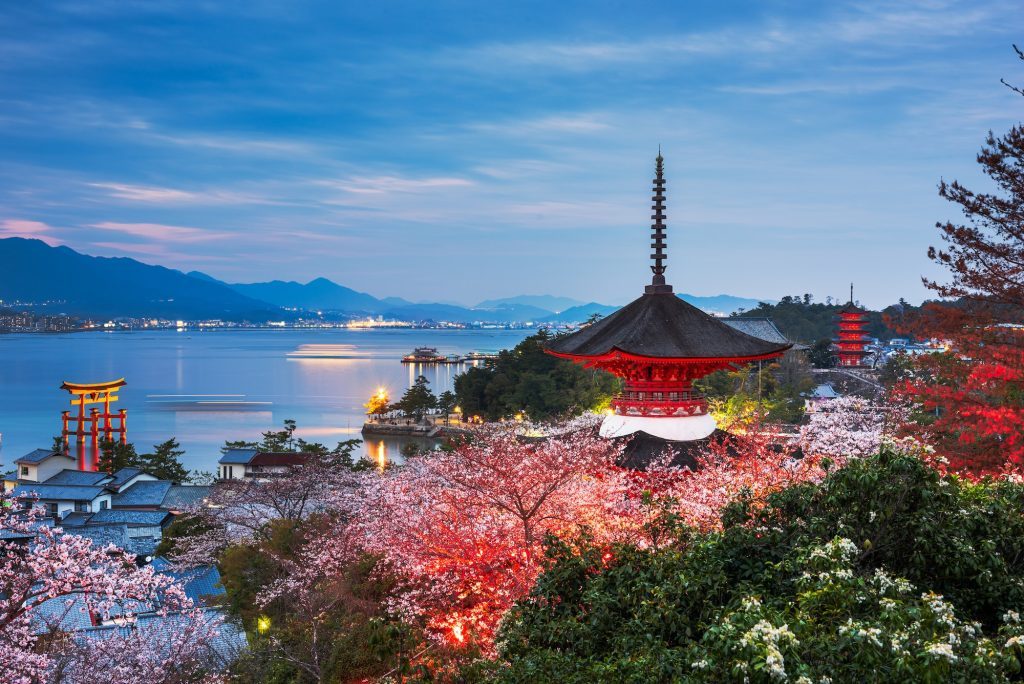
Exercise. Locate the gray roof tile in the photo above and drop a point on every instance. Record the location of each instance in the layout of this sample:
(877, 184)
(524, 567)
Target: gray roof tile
(123, 475)
(763, 328)
(183, 496)
(48, 492)
(77, 477)
(237, 456)
(36, 456)
(142, 493)
(662, 325)
(129, 517)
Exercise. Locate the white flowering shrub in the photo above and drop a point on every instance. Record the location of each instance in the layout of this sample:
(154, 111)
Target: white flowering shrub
(886, 571)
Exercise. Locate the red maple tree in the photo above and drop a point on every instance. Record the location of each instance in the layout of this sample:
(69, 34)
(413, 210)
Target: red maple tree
(972, 396)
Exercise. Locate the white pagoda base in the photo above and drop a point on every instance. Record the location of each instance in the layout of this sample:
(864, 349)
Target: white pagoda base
(675, 429)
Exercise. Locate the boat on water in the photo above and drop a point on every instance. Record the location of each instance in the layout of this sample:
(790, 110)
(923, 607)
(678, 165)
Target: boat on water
(480, 356)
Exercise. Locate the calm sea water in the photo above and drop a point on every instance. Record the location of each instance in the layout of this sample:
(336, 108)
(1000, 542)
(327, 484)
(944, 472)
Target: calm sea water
(206, 387)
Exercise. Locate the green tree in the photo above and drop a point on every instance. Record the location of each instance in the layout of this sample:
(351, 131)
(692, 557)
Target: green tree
(165, 462)
(773, 391)
(897, 368)
(342, 632)
(114, 456)
(417, 400)
(885, 572)
(527, 379)
(446, 402)
(821, 355)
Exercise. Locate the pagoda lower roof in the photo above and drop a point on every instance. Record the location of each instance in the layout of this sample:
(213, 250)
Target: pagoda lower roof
(663, 326)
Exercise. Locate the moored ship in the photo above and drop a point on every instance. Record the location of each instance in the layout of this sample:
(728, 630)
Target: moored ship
(424, 355)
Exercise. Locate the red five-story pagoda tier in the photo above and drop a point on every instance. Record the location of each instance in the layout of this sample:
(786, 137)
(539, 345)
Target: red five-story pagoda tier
(659, 344)
(852, 338)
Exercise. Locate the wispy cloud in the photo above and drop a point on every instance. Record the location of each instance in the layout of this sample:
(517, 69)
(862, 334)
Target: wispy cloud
(162, 255)
(152, 194)
(28, 229)
(380, 185)
(163, 233)
(559, 125)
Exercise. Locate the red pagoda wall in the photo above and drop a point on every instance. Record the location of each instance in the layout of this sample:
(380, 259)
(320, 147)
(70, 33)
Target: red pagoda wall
(852, 338)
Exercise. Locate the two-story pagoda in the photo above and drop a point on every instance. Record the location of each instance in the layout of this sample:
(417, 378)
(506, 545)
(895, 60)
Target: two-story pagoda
(852, 338)
(659, 345)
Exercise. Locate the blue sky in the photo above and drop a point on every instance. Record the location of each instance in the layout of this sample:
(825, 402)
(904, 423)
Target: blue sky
(465, 150)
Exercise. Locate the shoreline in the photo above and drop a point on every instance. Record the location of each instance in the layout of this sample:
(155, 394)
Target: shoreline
(413, 430)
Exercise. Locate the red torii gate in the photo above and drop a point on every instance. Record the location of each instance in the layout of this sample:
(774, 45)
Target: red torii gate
(96, 422)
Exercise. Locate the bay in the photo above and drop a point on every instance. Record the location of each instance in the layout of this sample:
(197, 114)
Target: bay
(205, 387)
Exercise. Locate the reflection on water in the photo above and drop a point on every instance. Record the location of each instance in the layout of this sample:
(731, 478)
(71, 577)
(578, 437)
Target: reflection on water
(204, 402)
(207, 387)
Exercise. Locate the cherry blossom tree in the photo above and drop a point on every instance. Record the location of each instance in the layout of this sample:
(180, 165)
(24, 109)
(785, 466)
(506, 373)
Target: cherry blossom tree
(465, 528)
(238, 511)
(752, 463)
(848, 426)
(40, 565)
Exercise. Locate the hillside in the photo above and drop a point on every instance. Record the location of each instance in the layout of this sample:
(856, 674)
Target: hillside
(550, 303)
(82, 285)
(806, 322)
(319, 294)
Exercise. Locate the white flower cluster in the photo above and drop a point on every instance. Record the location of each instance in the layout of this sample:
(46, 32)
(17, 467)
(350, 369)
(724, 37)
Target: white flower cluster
(854, 630)
(767, 637)
(941, 650)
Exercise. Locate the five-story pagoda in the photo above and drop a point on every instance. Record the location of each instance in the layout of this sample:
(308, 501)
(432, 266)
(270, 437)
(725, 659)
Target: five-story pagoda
(852, 337)
(659, 345)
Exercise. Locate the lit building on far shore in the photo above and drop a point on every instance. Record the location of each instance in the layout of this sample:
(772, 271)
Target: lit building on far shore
(659, 345)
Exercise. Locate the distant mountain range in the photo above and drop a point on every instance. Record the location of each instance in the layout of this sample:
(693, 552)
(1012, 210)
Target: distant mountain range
(88, 286)
(61, 280)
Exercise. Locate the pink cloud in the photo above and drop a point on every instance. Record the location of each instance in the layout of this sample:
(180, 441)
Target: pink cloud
(153, 194)
(163, 233)
(160, 252)
(28, 229)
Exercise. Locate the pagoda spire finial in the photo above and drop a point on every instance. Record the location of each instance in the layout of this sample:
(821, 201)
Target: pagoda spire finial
(658, 230)
(851, 293)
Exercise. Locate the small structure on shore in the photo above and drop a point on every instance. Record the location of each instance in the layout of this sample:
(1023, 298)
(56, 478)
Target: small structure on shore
(659, 345)
(852, 338)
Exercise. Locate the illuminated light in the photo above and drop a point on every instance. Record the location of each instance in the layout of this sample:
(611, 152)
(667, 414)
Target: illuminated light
(519, 417)
(457, 632)
(262, 624)
(609, 412)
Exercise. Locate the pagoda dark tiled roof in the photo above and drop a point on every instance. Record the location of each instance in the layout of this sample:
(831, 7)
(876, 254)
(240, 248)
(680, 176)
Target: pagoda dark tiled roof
(662, 325)
(761, 328)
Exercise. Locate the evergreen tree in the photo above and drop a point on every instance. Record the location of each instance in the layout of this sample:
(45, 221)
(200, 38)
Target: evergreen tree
(973, 395)
(526, 379)
(446, 401)
(417, 400)
(114, 456)
(164, 463)
(821, 355)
